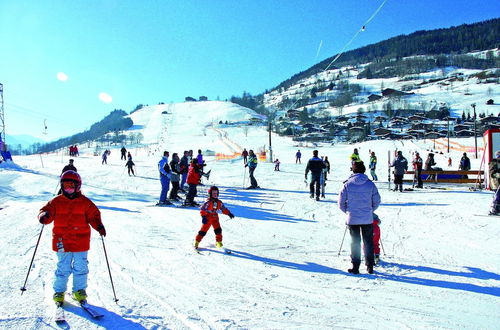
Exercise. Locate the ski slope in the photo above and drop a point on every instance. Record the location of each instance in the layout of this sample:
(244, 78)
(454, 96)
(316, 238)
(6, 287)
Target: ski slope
(440, 269)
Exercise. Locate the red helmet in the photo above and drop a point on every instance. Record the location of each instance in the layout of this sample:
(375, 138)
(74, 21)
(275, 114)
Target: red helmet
(74, 177)
(212, 188)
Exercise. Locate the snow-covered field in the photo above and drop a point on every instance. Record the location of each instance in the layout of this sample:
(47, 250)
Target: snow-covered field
(440, 269)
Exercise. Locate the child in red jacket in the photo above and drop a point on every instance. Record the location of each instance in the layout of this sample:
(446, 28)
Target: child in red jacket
(73, 214)
(210, 218)
(376, 237)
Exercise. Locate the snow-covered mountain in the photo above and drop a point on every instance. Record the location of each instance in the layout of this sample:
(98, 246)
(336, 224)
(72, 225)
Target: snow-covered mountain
(440, 263)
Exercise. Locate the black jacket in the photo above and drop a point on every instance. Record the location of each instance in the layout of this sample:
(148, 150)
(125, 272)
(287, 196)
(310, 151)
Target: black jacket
(315, 165)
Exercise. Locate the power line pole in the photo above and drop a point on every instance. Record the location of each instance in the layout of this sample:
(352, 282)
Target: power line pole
(473, 105)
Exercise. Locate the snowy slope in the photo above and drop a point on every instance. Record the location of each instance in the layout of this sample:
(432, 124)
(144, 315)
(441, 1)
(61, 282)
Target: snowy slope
(441, 267)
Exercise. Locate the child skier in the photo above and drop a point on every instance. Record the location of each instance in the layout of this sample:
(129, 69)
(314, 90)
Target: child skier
(73, 214)
(130, 166)
(210, 218)
(277, 165)
(376, 238)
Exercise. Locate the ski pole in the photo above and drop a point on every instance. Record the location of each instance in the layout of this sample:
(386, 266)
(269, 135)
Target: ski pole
(382, 245)
(109, 270)
(31, 263)
(345, 231)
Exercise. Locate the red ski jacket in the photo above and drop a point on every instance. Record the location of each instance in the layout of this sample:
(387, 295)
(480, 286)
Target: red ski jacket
(72, 220)
(194, 174)
(211, 206)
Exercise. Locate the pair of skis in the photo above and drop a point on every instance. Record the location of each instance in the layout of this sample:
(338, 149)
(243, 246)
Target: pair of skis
(60, 317)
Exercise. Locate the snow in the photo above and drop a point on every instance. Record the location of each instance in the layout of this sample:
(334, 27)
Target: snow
(440, 269)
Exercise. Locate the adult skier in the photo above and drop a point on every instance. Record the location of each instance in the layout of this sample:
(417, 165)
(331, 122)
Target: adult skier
(164, 170)
(373, 166)
(400, 165)
(210, 218)
(175, 176)
(130, 167)
(316, 166)
(464, 164)
(244, 154)
(184, 166)
(124, 153)
(358, 198)
(73, 215)
(355, 158)
(69, 167)
(252, 165)
(298, 155)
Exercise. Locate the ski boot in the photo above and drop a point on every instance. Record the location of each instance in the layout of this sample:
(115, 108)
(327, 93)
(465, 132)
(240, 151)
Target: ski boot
(80, 295)
(196, 243)
(377, 259)
(58, 298)
(353, 270)
(218, 244)
(317, 198)
(369, 269)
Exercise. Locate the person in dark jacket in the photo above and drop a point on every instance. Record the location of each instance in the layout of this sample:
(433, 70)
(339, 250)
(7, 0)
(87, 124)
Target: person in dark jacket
(130, 167)
(244, 154)
(124, 153)
(175, 176)
(464, 164)
(252, 165)
(69, 167)
(417, 167)
(400, 165)
(184, 167)
(358, 199)
(316, 166)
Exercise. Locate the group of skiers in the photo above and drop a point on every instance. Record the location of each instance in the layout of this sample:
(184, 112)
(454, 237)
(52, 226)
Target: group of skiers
(73, 151)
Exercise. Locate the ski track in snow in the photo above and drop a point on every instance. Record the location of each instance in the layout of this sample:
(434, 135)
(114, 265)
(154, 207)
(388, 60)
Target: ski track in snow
(440, 269)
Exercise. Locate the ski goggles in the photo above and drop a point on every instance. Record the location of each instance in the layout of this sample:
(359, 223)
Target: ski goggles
(68, 186)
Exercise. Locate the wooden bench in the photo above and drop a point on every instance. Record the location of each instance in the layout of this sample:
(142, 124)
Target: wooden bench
(449, 176)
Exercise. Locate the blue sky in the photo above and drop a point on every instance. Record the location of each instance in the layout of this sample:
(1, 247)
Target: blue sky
(162, 51)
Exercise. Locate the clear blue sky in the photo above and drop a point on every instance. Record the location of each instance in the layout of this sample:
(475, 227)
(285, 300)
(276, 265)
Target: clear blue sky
(162, 51)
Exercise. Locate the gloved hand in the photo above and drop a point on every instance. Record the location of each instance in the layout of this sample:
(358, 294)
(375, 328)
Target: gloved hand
(305, 176)
(230, 215)
(43, 217)
(204, 220)
(101, 230)
(246, 165)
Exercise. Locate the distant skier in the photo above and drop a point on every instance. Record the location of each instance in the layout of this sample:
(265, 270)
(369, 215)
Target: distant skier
(129, 156)
(358, 199)
(252, 165)
(210, 218)
(124, 153)
(175, 176)
(130, 167)
(193, 179)
(277, 164)
(184, 166)
(327, 169)
(104, 157)
(373, 166)
(244, 154)
(69, 167)
(400, 165)
(376, 238)
(316, 166)
(417, 167)
(464, 164)
(164, 170)
(429, 163)
(298, 155)
(73, 214)
(355, 158)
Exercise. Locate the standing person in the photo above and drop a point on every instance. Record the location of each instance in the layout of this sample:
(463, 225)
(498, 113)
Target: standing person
(316, 166)
(298, 155)
(277, 164)
(327, 169)
(464, 164)
(201, 162)
(69, 167)
(129, 156)
(104, 157)
(130, 167)
(244, 154)
(355, 158)
(373, 166)
(417, 167)
(124, 153)
(376, 238)
(164, 170)
(400, 165)
(429, 163)
(252, 165)
(73, 215)
(193, 179)
(175, 176)
(184, 166)
(358, 199)
(77, 153)
(210, 218)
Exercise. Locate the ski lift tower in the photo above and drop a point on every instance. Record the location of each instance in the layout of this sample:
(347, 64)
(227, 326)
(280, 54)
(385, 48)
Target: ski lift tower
(2, 121)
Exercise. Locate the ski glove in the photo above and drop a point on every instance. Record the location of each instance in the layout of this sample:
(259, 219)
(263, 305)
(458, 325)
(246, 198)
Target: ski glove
(43, 217)
(204, 220)
(101, 230)
(246, 165)
(230, 215)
